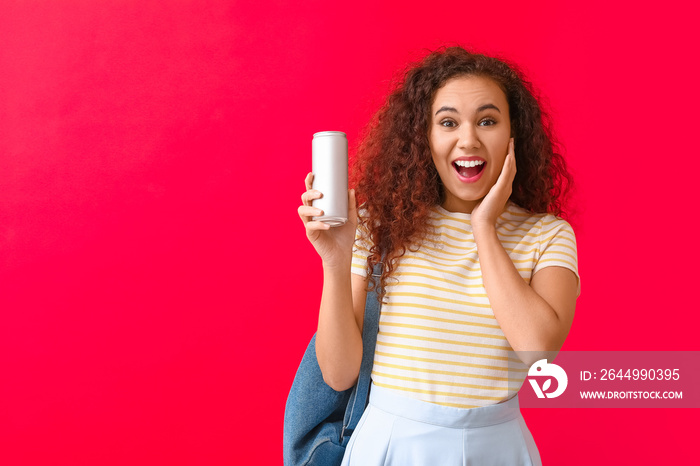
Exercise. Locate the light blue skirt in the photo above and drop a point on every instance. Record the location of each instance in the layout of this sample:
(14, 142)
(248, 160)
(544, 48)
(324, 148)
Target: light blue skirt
(397, 430)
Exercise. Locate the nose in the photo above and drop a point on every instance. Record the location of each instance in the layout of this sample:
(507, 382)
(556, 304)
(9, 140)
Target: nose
(468, 138)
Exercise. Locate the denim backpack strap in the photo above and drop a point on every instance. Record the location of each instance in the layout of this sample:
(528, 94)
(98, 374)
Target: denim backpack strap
(360, 394)
(318, 420)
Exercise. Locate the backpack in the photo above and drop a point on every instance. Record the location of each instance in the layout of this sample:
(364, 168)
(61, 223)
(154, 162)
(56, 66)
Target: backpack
(318, 421)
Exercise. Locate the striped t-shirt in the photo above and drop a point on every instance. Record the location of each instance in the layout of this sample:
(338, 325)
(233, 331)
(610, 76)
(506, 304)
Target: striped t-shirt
(438, 339)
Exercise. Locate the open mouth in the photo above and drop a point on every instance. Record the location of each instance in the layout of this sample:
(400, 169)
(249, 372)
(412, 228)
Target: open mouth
(469, 169)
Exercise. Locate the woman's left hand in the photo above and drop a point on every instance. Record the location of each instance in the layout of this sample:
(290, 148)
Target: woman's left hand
(491, 206)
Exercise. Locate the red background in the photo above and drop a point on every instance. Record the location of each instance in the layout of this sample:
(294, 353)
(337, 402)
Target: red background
(156, 287)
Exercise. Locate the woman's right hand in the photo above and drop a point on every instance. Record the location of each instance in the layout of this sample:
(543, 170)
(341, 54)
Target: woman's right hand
(334, 245)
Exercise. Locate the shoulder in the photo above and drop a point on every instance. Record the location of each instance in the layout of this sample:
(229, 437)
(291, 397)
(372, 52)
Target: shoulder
(554, 228)
(536, 224)
(515, 218)
(555, 242)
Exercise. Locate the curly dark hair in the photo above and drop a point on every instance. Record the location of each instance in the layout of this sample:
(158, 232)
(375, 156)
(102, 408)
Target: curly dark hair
(396, 180)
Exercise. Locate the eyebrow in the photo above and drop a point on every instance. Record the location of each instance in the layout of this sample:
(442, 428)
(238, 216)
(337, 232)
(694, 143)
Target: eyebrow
(478, 110)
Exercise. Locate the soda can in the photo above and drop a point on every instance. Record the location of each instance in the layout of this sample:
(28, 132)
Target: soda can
(329, 154)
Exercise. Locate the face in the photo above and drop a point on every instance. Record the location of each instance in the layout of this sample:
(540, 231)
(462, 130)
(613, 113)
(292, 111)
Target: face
(469, 135)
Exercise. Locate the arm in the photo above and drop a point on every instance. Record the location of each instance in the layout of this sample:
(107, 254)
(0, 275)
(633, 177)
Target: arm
(535, 317)
(341, 315)
(339, 334)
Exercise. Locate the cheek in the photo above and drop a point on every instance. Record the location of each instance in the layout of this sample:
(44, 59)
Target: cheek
(436, 151)
(501, 160)
(440, 149)
(502, 149)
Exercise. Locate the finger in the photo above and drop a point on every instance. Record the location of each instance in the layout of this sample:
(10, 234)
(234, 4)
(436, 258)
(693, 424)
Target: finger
(352, 200)
(309, 196)
(316, 225)
(306, 212)
(511, 160)
(309, 181)
(508, 173)
(352, 206)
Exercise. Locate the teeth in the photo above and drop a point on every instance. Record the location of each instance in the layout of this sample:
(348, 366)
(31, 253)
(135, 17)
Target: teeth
(465, 163)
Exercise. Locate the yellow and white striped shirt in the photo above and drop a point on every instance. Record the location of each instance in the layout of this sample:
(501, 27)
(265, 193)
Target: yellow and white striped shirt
(438, 339)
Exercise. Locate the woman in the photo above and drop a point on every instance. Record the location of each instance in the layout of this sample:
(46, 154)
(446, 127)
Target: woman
(480, 275)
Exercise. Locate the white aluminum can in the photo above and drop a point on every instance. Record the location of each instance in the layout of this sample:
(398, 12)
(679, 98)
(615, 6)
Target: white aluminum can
(329, 154)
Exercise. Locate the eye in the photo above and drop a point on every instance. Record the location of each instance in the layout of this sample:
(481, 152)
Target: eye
(448, 123)
(487, 122)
